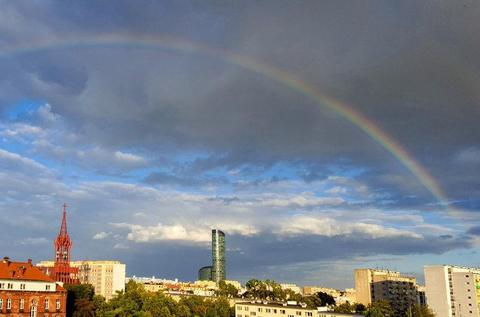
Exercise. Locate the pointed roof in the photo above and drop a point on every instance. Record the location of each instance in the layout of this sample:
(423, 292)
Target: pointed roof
(63, 227)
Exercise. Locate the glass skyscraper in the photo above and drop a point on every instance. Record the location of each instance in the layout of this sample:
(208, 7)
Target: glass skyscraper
(218, 255)
(205, 273)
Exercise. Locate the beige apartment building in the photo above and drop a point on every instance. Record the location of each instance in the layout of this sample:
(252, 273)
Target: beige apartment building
(289, 309)
(107, 277)
(453, 291)
(373, 285)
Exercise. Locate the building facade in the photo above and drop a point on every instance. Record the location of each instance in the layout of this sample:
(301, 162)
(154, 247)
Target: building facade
(453, 291)
(372, 285)
(25, 291)
(107, 277)
(205, 273)
(218, 256)
(289, 309)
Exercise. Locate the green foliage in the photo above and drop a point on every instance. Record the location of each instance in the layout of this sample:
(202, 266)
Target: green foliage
(419, 311)
(84, 308)
(379, 308)
(344, 308)
(136, 302)
(323, 299)
(227, 290)
(80, 300)
(269, 290)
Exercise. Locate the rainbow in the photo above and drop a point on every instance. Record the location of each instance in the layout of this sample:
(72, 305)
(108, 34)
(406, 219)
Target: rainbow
(259, 67)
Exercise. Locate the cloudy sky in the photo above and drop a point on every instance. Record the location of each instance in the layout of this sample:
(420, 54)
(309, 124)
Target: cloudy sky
(156, 121)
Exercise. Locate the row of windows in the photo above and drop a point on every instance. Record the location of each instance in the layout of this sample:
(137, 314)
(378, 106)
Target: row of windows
(22, 304)
(254, 314)
(22, 286)
(270, 310)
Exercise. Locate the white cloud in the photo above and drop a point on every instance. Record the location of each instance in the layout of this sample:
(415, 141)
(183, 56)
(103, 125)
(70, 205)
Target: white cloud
(306, 225)
(14, 162)
(129, 158)
(101, 235)
(34, 241)
(336, 190)
(469, 155)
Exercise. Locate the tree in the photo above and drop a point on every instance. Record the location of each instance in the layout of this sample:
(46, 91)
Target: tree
(344, 308)
(227, 290)
(379, 308)
(359, 308)
(84, 308)
(419, 311)
(325, 299)
(81, 293)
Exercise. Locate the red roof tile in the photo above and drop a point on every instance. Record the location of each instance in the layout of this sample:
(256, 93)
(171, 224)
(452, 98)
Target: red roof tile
(21, 271)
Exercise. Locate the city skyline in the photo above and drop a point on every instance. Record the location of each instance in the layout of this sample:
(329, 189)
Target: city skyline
(319, 136)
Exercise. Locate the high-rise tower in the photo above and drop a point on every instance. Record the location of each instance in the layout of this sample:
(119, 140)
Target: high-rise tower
(62, 271)
(218, 255)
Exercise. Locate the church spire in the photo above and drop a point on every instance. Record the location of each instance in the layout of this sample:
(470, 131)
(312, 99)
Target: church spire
(62, 271)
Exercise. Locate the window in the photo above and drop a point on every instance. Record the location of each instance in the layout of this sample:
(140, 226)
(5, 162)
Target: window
(268, 310)
(252, 313)
(298, 313)
(239, 307)
(260, 310)
(47, 287)
(57, 304)
(246, 308)
(282, 311)
(47, 303)
(1, 304)
(2, 285)
(9, 304)
(22, 304)
(33, 311)
(22, 286)
(10, 286)
(309, 314)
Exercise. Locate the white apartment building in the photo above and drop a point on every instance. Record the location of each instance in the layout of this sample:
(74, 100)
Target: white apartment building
(289, 309)
(453, 291)
(107, 277)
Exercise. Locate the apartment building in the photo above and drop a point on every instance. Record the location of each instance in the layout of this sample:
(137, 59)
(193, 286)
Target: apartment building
(107, 277)
(289, 309)
(25, 291)
(373, 285)
(453, 291)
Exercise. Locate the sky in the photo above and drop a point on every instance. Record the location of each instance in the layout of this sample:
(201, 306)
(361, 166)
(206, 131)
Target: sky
(320, 136)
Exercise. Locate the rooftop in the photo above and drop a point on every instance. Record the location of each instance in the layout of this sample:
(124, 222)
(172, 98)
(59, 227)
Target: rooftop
(10, 270)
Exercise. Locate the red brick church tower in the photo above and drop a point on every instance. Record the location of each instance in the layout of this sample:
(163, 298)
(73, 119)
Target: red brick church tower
(62, 271)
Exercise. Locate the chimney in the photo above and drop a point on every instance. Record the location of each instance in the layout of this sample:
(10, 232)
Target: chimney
(6, 260)
(30, 262)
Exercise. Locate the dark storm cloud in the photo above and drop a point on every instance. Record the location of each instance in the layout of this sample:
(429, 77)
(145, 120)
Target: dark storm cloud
(474, 231)
(271, 250)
